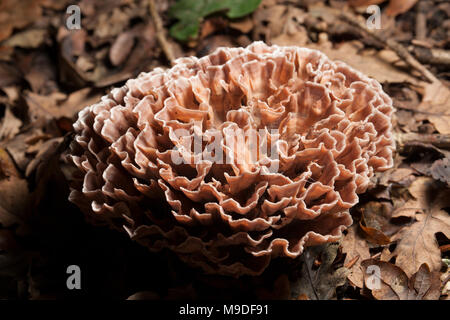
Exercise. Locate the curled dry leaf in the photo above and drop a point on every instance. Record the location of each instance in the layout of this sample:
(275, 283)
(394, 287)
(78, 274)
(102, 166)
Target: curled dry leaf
(399, 176)
(389, 282)
(416, 243)
(9, 125)
(121, 48)
(440, 170)
(373, 235)
(377, 215)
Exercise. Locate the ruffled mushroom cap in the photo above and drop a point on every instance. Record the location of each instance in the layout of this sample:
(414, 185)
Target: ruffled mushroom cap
(326, 129)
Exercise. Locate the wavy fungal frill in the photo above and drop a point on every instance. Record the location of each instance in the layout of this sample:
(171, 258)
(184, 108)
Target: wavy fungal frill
(326, 126)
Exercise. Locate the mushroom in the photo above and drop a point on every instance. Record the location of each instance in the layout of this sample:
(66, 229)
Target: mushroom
(234, 158)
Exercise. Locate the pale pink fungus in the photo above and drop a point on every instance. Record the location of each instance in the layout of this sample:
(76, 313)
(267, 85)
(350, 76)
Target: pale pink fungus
(334, 126)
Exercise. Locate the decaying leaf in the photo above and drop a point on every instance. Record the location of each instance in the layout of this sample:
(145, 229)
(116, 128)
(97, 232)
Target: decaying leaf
(397, 7)
(374, 235)
(18, 14)
(9, 74)
(32, 38)
(416, 243)
(440, 170)
(121, 48)
(394, 8)
(367, 62)
(445, 279)
(389, 282)
(377, 215)
(9, 126)
(357, 250)
(436, 104)
(57, 104)
(14, 197)
(320, 283)
(7, 167)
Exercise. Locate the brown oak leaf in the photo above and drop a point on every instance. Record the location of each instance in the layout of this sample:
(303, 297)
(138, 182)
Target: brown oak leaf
(389, 282)
(416, 243)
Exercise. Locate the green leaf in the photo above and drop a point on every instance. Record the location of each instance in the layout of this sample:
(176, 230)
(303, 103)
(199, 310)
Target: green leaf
(191, 13)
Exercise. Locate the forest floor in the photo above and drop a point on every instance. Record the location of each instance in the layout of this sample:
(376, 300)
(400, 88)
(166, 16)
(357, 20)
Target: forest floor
(48, 73)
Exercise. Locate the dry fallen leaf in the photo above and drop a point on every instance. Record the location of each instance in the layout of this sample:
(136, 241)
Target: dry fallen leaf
(18, 14)
(394, 8)
(269, 21)
(377, 215)
(367, 62)
(389, 282)
(416, 243)
(9, 125)
(121, 48)
(440, 170)
(361, 3)
(320, 283)
(244, 25)
(436, 104)
(9, 74)
(7, 167)
(14, 205)
(374, 235)
(397, 7)
(27, 39)
(355, 247)
(58, 104)
(292, 32)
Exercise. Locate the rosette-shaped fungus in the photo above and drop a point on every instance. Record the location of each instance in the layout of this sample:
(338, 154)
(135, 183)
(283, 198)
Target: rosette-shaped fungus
(235, 158)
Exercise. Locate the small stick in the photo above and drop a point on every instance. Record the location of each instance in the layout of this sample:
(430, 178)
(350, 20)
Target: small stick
(165, 46)
(421, 22)
(401, 51)
(432, 56)
(437, 140)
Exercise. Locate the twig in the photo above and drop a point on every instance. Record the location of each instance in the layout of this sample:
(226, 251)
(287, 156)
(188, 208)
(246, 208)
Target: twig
(401, 51)
(432, 56)
(437, 140)
(165, 46)
(421, 22)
